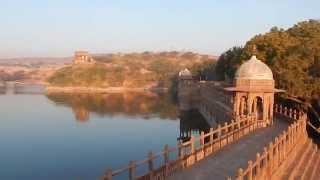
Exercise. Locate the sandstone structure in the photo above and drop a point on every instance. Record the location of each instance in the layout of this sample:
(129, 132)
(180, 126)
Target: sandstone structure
(82, 57)
(251, 93)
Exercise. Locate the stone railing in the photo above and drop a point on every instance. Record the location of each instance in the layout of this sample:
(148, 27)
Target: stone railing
(279, 150)
(287, 113)
(187, 153)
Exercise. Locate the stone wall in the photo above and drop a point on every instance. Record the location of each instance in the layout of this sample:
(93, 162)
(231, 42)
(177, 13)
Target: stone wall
(209, 98)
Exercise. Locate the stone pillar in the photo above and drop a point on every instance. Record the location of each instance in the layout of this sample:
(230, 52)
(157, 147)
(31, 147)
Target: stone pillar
(254, 108)
(265, 107)
(241, 106)
(271, 107)
(237, 105)
(249, 104)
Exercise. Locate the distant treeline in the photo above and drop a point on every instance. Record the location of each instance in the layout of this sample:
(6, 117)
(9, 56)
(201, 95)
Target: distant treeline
(15, 76)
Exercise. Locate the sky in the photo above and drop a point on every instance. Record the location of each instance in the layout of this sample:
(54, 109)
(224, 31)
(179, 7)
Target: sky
(59, 27)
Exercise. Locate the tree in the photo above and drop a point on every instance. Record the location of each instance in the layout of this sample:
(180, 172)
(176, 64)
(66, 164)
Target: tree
(293, 55)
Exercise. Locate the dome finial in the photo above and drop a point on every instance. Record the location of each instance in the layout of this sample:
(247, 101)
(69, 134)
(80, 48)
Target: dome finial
(254, 50)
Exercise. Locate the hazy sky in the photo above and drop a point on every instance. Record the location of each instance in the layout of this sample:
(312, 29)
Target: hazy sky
(58, 27)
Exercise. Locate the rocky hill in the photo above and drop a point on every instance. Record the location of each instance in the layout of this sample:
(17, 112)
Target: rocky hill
(132, 70)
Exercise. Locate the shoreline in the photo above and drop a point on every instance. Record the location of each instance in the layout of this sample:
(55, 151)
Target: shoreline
(69, 89)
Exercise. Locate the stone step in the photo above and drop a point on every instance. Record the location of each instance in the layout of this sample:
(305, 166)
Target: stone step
(301, 161)
(315, 165)
(310, 164)
(285, 169)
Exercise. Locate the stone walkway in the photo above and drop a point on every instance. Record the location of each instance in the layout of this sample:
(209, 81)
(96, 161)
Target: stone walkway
(233, 156)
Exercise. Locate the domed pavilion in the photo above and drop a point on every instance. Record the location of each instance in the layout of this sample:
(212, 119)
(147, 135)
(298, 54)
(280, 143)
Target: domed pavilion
(254, 90)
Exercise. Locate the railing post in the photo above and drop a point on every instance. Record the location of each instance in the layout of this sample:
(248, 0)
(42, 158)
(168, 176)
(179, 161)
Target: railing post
(166, 154)
(202, 143)
(211, 140)
(289, 138)
(108, 175)
(258, 165)
(232, 130)
(150, 164)
(265, 163)
(192, 154)
(202, 139)
(219, 135)
(250, 175)
(276, 151)
(284, 134)
(290, 113)
(240, 174)
(280, 148)
(227, 132)
(131, 170)
(295, 114)
(239, 126)
(179, 146)
(270, 159)
(300, 114)
(285, 111)
(166, 159)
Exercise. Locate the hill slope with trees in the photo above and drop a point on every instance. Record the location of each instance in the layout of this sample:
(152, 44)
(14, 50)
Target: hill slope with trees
(292, 54)
(133, 70)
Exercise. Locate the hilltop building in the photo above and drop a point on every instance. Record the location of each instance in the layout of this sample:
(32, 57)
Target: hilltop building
(185, 74)
(251, 93)
(82, 57)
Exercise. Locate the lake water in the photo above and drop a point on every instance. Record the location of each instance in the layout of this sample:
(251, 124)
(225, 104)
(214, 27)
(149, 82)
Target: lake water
(79, 136)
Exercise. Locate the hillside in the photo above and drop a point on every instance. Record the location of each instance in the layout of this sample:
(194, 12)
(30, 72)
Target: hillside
(292, 54)
(35, 60)
(30, 69)
(132, 70)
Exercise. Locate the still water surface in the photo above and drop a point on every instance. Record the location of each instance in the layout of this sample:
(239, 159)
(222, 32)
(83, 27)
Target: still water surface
(78, 136)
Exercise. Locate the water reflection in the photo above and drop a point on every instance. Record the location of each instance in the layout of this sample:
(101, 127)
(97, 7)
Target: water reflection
(191, 123)
(15, 88)
(146, 105)
(134, 104)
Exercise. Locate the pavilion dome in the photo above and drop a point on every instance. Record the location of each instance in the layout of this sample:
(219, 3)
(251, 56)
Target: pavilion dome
(185, 73)
(254, 69)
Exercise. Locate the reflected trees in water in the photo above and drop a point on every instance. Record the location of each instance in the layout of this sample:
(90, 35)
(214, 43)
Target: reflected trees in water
(143, 105)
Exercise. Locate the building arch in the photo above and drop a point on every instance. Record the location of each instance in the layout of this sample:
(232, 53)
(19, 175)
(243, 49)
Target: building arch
(243, 108)
(258, 107)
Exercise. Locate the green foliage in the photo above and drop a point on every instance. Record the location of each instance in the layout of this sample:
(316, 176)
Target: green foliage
(228, 63)
(203, 71)
(93, 75)
(292, 54)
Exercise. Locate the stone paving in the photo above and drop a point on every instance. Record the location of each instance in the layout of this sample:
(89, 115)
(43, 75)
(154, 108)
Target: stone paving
(230, 158)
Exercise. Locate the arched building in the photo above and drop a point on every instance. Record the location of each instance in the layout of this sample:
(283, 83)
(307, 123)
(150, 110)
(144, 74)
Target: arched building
(251, 93)
(82, 57)
(254, 90)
